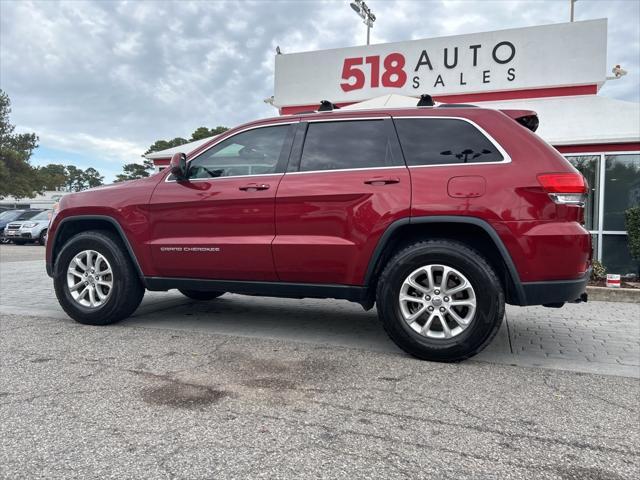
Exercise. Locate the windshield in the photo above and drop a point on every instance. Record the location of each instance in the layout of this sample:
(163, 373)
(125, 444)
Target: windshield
(10, 214)
(42, 215)
(28, 215)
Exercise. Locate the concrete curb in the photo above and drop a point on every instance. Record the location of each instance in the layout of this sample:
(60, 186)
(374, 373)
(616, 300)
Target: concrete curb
(604, 294)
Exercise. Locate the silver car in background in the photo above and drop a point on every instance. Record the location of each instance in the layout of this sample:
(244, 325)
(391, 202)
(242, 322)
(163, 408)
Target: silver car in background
(32, 230)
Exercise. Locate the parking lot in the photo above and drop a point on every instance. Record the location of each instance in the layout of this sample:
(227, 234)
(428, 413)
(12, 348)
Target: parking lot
(256, 387)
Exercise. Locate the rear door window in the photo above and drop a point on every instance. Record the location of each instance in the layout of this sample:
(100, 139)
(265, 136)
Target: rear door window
(441, 141)
(347, 145)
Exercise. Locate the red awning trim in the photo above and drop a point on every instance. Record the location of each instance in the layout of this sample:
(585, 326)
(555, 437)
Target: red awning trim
(600, 147)
(478, 97)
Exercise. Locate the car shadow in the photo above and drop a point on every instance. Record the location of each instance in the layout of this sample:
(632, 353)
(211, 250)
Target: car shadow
(331, 322)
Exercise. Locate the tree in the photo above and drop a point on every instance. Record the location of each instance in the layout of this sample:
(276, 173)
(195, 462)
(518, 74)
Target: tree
(198, 134)
(56, 176)
(17, 176)
(76, 180)
(53, 176)
(632, 224)
(132, 171)
(204, 132)
(164, 144)
(92, 178)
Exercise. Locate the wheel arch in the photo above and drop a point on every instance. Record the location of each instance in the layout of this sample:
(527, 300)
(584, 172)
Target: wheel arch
(474, 232)
(71, 226)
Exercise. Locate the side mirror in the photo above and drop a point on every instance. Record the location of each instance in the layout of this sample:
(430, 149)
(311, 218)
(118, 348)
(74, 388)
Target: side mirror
(178, 166)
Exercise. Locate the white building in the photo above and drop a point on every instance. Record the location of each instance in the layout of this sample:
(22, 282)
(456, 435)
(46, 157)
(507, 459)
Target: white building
(46, 200)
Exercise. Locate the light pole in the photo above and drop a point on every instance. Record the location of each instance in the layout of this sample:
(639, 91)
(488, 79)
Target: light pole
(572, 2)
(365, 13)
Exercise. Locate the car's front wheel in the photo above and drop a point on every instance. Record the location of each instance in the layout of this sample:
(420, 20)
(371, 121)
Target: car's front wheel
(95, 281)
(440, 300)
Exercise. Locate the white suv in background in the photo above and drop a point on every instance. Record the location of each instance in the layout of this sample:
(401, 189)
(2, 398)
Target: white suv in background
(31, 230)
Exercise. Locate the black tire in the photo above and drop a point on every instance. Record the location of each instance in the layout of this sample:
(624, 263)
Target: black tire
(127, 290)
(201, 294)
(20, 242)
(42, 237)
(488, 292)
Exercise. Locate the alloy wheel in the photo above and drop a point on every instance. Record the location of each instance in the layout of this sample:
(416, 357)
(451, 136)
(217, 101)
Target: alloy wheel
(90, 279)
(437, 301)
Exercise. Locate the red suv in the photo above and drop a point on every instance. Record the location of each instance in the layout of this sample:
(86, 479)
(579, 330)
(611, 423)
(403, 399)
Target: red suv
(437, 215)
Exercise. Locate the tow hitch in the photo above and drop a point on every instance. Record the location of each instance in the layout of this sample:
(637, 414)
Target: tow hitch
(582, 298)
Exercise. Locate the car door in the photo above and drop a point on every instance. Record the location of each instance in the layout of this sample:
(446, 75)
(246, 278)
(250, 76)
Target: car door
(347, 184)
(219, 222)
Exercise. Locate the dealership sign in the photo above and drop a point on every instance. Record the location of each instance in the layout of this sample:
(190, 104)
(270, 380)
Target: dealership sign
(567, 54)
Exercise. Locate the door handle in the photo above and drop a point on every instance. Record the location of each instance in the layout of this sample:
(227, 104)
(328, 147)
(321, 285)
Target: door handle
(252, 187)
(382, 181)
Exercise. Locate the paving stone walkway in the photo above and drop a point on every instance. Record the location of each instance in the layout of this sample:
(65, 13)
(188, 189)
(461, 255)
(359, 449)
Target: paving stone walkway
(597, 337)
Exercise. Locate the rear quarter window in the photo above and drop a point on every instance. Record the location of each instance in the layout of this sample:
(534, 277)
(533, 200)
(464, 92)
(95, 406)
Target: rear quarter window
(443, 141)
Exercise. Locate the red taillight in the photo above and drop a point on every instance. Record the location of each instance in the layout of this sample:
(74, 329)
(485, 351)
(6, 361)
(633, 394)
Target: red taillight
(563, 182)
(565, 188)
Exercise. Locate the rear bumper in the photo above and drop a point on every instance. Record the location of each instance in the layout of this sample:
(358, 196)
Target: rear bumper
(556, 291)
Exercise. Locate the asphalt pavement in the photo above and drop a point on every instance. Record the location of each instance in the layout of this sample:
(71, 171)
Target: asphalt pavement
(243, 387)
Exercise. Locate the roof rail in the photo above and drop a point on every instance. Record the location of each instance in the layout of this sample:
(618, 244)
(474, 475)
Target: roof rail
(327, 106)
(457, 105)
(425, 101)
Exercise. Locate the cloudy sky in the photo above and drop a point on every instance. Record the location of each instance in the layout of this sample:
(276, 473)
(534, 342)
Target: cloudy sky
(100, 81)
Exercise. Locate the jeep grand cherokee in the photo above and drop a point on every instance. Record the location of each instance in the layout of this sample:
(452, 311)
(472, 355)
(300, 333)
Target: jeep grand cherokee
(438, 216)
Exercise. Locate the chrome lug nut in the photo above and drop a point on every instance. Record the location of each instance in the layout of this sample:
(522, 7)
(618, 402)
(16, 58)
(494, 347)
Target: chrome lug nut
(442, 309)
(437, 292)
(427, 297)
(430, 309)
(446, 299)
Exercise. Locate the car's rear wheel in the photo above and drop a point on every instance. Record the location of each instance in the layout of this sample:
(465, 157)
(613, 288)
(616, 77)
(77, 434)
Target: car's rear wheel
(201, 294)
(95, 280)
(440, 300)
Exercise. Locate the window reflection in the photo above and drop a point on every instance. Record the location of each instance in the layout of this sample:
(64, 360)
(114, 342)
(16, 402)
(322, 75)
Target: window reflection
(621, 189)
(249, 153)
(587, 165)
(616, 256)
(434, 141)
(344, 145)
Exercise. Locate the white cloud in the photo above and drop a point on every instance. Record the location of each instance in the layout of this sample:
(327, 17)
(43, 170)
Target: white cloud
(116, 150)
(110, 78)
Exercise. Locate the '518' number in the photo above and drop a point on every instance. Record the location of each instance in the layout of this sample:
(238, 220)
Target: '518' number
(392, 76)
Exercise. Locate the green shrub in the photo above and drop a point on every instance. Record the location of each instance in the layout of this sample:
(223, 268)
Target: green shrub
(599, 271)
(632, 222)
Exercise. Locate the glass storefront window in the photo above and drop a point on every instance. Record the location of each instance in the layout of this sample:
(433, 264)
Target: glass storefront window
(620, 178)
(588, 166)
(621, 189)
(615, 255)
